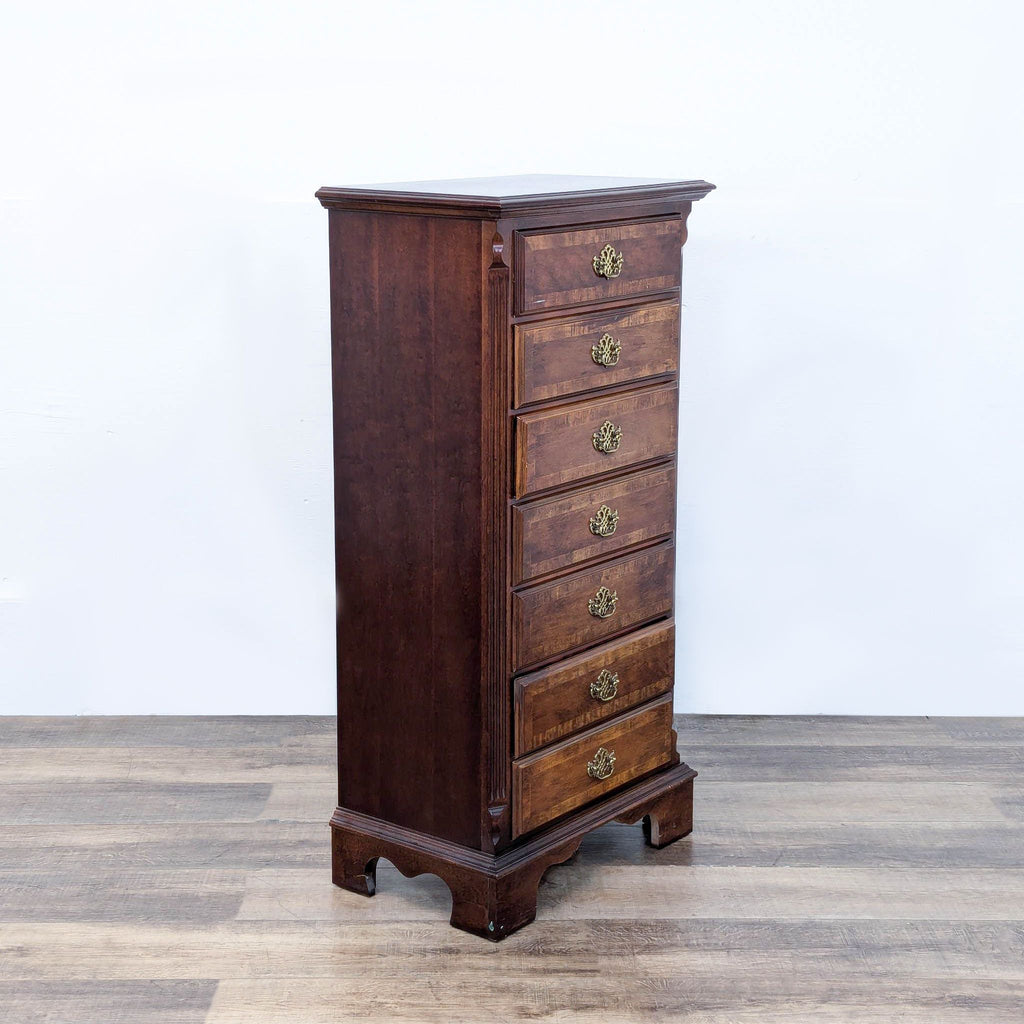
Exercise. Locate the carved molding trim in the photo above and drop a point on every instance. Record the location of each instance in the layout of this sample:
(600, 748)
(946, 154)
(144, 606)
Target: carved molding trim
(496, 448)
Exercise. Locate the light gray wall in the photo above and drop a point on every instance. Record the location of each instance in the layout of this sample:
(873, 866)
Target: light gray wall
(851, 494)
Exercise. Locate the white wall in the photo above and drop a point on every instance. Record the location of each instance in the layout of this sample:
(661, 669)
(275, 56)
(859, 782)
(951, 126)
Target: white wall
(852, 492)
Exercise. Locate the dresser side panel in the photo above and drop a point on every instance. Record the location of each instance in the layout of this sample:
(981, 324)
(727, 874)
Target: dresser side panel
(405, 327)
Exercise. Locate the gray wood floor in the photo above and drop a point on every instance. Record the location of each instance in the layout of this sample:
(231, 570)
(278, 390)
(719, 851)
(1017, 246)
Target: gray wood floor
(841, 869)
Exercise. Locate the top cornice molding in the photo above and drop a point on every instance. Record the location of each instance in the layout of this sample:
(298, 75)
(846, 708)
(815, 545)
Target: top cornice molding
(444, 199)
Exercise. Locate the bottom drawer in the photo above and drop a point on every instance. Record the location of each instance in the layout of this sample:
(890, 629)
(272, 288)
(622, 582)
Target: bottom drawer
(559, 779)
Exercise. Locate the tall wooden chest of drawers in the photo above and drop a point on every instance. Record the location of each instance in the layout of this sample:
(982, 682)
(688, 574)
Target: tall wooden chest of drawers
(505, 361)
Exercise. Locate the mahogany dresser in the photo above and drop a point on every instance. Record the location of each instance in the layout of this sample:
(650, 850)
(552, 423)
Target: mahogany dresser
(505, 359)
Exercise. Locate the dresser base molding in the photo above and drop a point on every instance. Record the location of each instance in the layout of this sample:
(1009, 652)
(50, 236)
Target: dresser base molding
(493, 896)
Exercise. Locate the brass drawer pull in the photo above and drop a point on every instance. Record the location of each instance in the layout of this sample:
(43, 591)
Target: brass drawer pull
(605, 686)
(602, 604)
(607, 351)
(608, 263)
(607, 438)
(604, 521)
(603, 764)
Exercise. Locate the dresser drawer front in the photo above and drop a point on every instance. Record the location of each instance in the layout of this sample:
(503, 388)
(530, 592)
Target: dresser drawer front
(588, 606)
(557, 268)
(585, 352)
(558, 446)
(592, 522)
(591, 688)
(556, 781)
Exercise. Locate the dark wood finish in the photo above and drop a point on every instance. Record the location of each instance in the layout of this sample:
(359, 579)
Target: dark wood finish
(557, 701)
(495, 896)
(489, 898)
(555, 781)
(556, 268)
(556, 446)
(666, 819)
(551, 196)
(408, 507)
(549, 619)
(434, 550)
(554, 533)
(496, 428)
(554, 358)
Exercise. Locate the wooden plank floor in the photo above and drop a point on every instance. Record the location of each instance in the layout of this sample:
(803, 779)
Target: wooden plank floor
(842, 869)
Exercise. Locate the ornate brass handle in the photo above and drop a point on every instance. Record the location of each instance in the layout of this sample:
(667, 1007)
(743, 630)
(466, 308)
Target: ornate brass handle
(605, 686)
(602, 604)
(607, 437)
(604, 521)
(607, 351)
(603, 764)
(608, 263)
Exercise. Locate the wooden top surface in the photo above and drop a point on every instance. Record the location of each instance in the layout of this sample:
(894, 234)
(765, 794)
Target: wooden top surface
(507, 195)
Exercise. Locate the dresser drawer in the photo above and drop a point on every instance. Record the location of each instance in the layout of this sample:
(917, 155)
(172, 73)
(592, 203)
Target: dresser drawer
(555, 781)
(557, 446)
(585, 352)
(598, 520)
(588, 606)
(593, 687)
(572, 266)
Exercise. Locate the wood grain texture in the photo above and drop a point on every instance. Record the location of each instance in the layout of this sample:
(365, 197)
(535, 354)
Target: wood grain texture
(408, 506)
(423, 286)
(496, 433)
(486, 901)
(550, 197)
(551, 618)
(782, 994)
(554, 359)
(555, 268)
(896, 894)
(495, 895)
(90, 1001)
(556, 446)
(265, 732)
(554, 781)
(557, 701)
(555, 533)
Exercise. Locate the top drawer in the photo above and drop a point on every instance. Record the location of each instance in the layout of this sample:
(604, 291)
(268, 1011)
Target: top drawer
(578, 265)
